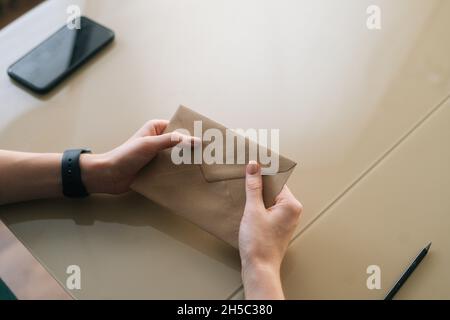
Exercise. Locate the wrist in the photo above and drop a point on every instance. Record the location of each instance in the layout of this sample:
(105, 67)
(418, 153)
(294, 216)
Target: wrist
(259, 267)
(262, 281)
(260, 262)
(93, 170)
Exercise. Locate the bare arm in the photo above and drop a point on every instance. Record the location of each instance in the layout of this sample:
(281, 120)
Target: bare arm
(31, 176)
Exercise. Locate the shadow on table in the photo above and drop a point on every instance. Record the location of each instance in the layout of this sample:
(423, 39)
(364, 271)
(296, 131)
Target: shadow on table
(130, 209)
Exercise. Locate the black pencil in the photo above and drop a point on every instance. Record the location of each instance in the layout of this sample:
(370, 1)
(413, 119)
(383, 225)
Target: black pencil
(408, 272)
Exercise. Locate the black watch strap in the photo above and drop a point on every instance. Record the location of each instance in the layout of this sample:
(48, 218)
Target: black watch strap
(72, 184)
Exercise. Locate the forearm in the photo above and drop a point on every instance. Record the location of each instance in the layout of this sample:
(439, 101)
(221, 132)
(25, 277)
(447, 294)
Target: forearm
(262, 282)
(29, 176)
(32, 176)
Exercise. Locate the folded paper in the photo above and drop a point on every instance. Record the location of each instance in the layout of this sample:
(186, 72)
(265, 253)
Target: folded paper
(211, 196)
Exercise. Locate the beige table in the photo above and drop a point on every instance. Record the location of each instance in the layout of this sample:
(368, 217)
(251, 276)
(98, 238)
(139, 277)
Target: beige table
(344, 98)
(23, 273)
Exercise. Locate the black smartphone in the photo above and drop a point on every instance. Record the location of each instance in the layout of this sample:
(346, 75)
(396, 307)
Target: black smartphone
(45, 66)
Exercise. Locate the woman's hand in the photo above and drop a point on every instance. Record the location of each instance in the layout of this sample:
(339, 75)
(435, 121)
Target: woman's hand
(113, 172)
(264, 236)
(32, 176)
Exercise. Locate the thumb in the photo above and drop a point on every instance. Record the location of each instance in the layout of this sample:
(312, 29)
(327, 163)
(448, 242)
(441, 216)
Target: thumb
(253, 184)
(169, 140)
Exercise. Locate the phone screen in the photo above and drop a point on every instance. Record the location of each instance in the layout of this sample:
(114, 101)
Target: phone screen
(47, 64)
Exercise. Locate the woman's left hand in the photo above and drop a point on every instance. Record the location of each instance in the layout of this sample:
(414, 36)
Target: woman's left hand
(113, 172)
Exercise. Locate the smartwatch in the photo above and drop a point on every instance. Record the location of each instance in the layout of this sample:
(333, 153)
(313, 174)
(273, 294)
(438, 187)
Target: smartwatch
(72, 184)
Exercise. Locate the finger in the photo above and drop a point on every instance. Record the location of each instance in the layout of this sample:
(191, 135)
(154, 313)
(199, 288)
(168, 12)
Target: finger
(169, 140)
(253, 184)
(152, 128)
(158, 126)
(284, 195)
(287, 202)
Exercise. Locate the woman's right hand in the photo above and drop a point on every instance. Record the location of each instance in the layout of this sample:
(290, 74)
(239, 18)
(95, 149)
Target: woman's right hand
(264, 236)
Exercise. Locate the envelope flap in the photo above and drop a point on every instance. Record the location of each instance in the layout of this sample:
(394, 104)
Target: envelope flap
(231, 143)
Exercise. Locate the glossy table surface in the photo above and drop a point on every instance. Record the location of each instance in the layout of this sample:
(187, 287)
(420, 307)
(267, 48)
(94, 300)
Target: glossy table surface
(23, 273)
(344, 97)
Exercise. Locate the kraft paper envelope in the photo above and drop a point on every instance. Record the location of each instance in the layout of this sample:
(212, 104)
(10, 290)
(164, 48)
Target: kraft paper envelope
(209, 195)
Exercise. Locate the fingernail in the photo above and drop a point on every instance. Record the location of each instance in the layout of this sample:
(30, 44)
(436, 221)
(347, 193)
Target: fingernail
(252, 167)
(176, 137)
